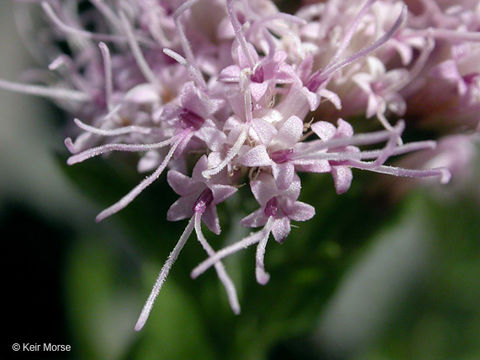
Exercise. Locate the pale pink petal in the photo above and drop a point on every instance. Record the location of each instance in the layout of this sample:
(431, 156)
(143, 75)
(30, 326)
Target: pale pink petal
(182, 208)
(344, 129)
(372, 105)
(210, 218)
(143, 94)
(200, 166)
(181, 183)
(283, 174)
(312, 98)
(290, 132)
(212, 137)
(299, 211)
(257, 156)
(258, 90)
(293, 191)
(281, 228)
(324, 130)
(264, 130)
(222, 192)
(263, 188)
(318, 166)
(255, 219)
(332, 97)
(230, 74)
(342, 178)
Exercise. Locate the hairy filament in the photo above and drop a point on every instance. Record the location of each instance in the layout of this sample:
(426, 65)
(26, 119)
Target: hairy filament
(229, 250)
(113, 132)
(221, 272)
(147, 308)
(47, 92)
(127, 199)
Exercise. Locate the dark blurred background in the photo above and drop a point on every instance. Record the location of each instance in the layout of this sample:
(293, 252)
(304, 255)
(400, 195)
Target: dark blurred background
(367, 278)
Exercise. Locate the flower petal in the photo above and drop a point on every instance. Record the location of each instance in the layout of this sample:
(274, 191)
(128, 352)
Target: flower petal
(181, 183)
(324, 130)
(342, 177)
(222, 192)
(255, 219)
(283, 174)
(257, 156)
(264, 188)
(300, 211)
(281, 228)
(210, 218)
(290, 132)
(182, 208)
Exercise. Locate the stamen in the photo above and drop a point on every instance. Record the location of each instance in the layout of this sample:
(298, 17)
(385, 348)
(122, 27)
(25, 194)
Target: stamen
(137, 52)
(321, 76)
(229, 250)
(107, 64)
(221, 272)
(237, 28)
(351, 31)
(279, 16)
(391, 144)
(194, 74)
(261, 275)
(367, 50)
(443, 173)
(47, 92)
(107, 13)
(71, 73)
(69, 145)
(83, 33)
(186, 44)
(373, 154)
(113, 132)
(102, 149)
(147, 308)
(356, 140)
(127, 199)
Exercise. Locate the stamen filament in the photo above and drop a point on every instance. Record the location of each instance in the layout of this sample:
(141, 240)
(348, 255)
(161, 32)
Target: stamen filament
(147, 308)
(113, 132)
(237, 246)
(261, 275)
(47, 92)
(89, 153)
(137, 52)
(221, 272)
(127, 199)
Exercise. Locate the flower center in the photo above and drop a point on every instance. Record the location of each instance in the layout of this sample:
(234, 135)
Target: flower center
(470, 78)
(191, 120)
(271, 208)
(377, 86)
(203, 201)
(281, 156)
(258, 75)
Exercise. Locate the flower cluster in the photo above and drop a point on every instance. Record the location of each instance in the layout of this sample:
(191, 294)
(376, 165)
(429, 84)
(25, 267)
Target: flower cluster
(261, 95)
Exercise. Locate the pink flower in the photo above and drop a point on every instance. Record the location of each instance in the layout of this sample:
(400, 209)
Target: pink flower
(281, 205)
(198, 195)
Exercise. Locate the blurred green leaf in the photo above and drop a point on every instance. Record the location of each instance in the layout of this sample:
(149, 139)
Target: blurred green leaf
(101, 310)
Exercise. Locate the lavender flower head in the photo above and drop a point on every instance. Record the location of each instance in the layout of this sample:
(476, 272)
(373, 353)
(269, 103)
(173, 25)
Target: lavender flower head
(262, 96)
